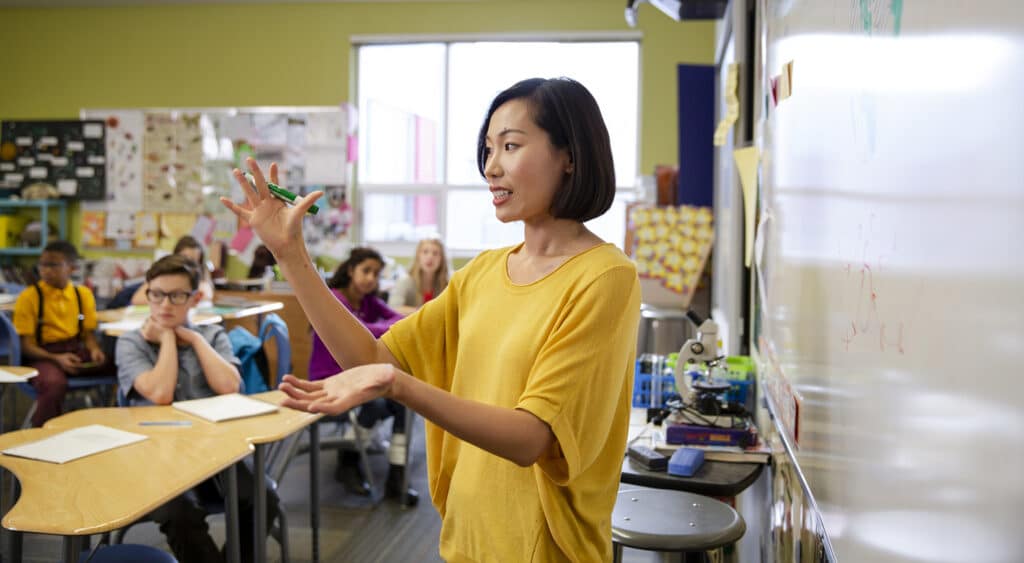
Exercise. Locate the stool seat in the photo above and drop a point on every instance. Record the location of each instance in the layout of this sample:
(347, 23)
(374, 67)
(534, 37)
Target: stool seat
(664, 520)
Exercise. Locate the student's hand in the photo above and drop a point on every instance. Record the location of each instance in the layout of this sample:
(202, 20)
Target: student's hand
(97, 355)
(277, 225)
(155, 333)
(68, 362)
(186, 335)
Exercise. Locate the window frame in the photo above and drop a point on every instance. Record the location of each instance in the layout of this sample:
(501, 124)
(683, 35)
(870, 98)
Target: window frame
(627, 189)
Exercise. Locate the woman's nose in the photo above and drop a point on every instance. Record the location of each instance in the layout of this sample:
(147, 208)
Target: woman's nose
(491, 167)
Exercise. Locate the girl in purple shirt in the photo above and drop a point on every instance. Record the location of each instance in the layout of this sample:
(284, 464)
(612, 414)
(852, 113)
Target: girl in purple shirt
(355, 285)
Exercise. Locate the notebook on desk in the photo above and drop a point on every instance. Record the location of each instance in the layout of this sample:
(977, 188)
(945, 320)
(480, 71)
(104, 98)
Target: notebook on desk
(75, 443)
(225, 407)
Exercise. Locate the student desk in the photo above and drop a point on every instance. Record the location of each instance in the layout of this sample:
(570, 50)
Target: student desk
(102, 492)
(250, 434)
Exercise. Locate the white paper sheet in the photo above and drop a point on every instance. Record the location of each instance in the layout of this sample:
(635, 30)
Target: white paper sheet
(225, 407)
(75, 443)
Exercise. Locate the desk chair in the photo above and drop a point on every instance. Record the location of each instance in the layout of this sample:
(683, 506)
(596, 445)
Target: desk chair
(10, 345)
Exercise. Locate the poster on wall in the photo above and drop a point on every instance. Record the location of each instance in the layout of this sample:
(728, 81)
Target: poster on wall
(173, 162)
(68, 155)
(124, 133)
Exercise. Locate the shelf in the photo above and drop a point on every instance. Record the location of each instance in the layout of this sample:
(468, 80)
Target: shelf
(29, 203)
(44, 206)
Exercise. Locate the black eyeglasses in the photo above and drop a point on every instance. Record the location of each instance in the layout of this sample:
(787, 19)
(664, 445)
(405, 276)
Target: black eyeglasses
(156, 297)
(51, 264)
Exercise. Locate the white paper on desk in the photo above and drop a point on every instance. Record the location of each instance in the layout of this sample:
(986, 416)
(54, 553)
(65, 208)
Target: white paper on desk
(122, 325)
(75, 443)
(8, 377)
(225, 407)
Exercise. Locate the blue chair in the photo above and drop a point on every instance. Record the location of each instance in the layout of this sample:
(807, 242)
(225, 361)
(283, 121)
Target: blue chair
(273, 327)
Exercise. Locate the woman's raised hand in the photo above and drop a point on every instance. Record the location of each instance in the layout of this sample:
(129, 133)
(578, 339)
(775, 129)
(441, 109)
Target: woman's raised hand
(275, 223)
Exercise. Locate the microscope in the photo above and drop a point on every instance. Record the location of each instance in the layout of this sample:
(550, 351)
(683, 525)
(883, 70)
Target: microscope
(704, 392)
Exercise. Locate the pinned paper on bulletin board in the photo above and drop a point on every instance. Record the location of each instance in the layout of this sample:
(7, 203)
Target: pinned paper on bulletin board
(173, 226)
(746, 164)
(732, 105)
(93, 228)
(146, 230)
(672, 245)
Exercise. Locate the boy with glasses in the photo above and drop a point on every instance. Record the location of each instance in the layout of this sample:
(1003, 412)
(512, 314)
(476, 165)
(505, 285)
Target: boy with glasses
(167, 360)
(56, 322)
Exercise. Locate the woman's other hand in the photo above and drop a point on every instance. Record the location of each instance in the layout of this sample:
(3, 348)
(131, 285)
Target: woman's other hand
(340, 392)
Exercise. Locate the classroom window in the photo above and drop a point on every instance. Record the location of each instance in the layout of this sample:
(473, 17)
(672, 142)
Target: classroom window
(420, 110)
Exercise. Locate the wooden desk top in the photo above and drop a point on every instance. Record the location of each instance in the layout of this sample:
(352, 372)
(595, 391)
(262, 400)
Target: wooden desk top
(113, 488)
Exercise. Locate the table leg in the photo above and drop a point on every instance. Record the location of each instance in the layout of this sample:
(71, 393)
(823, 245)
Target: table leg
(260, 504)
(72, 547)
(231, 514)
(314, 488)
(409, 415)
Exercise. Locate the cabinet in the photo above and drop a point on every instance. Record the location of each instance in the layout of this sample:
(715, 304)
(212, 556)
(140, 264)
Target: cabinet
(13, 207)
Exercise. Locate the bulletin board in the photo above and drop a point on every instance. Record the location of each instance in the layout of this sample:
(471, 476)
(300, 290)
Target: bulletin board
(169, 167)
(69, 155)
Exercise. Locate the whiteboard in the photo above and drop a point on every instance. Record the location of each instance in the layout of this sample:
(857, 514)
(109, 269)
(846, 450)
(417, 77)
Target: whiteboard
(889, 316)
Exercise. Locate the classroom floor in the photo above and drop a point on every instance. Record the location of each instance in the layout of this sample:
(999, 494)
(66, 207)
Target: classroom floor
(351, 529)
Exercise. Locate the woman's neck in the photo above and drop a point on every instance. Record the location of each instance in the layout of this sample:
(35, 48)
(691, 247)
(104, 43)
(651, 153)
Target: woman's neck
(557, 237)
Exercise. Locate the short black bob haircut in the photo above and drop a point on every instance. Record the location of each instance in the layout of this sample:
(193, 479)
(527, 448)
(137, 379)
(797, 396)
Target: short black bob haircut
(359, 254)
(175, 264)
(569, 114)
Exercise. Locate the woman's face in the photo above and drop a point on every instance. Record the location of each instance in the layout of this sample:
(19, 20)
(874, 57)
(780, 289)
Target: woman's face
(365, 276)
(523, 169)
(429, 257)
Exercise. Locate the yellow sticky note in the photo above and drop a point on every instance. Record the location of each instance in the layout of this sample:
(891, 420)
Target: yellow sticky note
(746, 163)
(732, 105)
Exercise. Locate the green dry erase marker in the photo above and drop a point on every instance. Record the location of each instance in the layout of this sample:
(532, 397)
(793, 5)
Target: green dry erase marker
(280, 193)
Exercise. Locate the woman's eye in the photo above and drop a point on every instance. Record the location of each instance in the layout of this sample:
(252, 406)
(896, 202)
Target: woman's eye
(510, 146)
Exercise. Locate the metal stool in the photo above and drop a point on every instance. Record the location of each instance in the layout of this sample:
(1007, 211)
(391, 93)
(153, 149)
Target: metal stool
(672, 521)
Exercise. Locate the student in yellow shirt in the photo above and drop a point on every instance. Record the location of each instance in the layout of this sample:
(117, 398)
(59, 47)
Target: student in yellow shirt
(523, 365)
(56, 321)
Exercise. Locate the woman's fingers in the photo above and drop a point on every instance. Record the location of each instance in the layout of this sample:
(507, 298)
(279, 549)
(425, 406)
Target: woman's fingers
(303, 203)
(257, 174)
(239, 211)
(273, 173)
(303, 384)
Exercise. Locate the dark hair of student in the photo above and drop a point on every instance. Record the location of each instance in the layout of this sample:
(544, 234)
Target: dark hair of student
(360, 254)
(64, 248)
(174, 264)
(261, 258)
(188, 241)
(569, 114)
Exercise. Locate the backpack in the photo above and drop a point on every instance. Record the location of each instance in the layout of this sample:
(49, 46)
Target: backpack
(247, 348)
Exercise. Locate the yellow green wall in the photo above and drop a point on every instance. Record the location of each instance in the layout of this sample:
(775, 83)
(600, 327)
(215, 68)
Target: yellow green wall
(183, 55)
